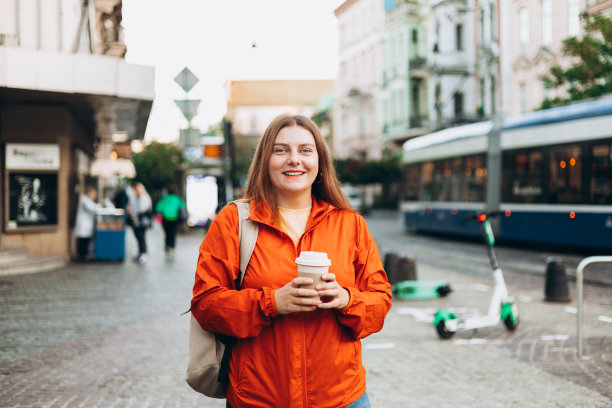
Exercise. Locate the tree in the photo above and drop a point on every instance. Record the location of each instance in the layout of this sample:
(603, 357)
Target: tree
(385, 171)
(157, 165)
(591, 75)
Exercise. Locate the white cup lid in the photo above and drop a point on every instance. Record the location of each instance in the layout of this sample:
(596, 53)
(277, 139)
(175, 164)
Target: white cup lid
(311, 258)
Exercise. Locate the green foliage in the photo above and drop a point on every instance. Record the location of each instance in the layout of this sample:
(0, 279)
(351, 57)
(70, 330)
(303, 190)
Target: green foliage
(157, 165)
(353, 171)
(591, 75)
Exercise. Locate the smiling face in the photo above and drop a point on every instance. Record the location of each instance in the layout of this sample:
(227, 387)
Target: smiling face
(293, 167)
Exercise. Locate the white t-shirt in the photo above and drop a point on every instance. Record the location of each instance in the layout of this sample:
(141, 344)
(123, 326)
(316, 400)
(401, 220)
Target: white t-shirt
(294, 221)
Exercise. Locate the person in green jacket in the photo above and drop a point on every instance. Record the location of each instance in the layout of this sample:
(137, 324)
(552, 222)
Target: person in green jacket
(171, 208)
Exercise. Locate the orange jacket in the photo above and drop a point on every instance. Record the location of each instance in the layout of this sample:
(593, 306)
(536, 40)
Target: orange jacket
(305, 359)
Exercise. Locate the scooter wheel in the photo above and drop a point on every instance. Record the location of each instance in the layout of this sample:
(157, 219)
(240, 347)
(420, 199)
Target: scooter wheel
(443, 333)
(510, 323)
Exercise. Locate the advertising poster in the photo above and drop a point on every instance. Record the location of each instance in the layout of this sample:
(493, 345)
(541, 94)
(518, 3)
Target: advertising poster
(32, 199)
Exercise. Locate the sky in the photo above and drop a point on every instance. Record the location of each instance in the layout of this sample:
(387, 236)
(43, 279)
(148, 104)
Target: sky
(295, 39)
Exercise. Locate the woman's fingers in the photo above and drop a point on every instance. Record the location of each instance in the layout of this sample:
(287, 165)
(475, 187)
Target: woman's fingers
(291, 298)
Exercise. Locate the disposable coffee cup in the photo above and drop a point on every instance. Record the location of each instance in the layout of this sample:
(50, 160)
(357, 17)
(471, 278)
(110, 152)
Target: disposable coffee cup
(312, 265)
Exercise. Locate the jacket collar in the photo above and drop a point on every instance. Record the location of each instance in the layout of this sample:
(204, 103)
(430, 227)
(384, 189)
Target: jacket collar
(262, 214)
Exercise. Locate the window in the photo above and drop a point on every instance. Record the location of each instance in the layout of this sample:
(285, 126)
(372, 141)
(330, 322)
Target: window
(493, 91)
(458, 179)
(523, 97)
(523, 30)
(482, 26)
(459, 37)
(601, 174)
(573, 18)
(458, 104)
(522, 179)
(546, 22)
(565, 183)
(415, 36)
(482, 94)
(492, 18)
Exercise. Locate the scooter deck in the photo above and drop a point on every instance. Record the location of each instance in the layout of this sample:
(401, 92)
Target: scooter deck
(420, 290)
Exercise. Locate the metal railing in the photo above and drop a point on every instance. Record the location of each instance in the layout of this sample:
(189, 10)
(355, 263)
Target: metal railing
(579, 289)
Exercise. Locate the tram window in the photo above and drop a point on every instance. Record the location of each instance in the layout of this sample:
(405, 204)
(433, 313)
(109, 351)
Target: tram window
(523, 179)
(565, 182)
(601, 174)
(426, 190)
(441, 181)
(475, 179)
(413, 183)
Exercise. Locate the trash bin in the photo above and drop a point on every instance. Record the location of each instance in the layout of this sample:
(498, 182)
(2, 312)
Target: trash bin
(109, 235)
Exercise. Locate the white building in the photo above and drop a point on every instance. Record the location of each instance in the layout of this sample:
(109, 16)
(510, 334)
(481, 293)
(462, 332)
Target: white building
(357, 126)
(535, 32)
(66, 94)
(403, 94)
(452, 97)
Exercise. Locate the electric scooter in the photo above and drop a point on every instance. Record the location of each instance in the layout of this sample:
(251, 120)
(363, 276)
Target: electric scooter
(502, 306)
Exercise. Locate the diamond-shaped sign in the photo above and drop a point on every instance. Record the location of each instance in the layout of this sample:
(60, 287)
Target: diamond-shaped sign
(189, 107)
(186, 79)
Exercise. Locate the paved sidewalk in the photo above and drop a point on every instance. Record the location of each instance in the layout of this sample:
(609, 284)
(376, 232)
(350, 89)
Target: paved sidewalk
(111, 335)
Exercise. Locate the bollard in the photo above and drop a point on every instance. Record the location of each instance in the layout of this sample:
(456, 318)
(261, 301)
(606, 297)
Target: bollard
(406, 269)
(391, 265)
(556, 287)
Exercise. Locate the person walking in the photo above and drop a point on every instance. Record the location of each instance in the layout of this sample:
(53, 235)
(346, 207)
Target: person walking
(85, 222)
(141, 212)
(293, 349)
(170, 207)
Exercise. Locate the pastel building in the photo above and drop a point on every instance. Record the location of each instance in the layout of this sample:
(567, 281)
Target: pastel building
(357, 121)
(67, 97)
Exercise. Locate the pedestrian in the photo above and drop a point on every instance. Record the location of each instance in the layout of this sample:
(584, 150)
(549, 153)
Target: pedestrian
(85, 222)
(293, 349)
(170, 207)
(141, 212)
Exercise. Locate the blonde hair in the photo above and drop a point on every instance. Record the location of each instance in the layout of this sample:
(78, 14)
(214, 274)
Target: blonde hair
(326, 186)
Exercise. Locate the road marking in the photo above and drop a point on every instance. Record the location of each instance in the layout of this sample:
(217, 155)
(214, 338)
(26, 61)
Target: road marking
(379, 346)
(571, 310)
(426, 315)
(554, 337)
(471, 286)
(525, 299)
(419, 315)
(605, 319)
(470, 341)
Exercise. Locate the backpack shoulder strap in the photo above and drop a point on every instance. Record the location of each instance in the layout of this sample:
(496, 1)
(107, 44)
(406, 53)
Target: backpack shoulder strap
(247, 236)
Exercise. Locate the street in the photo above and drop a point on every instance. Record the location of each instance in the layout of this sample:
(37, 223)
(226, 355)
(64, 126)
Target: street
(108, 334)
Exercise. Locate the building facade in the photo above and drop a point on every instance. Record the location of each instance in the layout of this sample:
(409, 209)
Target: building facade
(535, 44)
(66, 97)
(405, 78)
(357, 121)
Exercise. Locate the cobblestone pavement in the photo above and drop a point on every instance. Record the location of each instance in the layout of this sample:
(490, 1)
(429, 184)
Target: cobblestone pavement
(112, 335)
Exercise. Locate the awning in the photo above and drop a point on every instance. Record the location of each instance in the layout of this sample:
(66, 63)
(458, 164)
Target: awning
(113, 168)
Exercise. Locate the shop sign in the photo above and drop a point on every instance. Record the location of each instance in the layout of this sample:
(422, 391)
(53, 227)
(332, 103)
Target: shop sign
(32, 156)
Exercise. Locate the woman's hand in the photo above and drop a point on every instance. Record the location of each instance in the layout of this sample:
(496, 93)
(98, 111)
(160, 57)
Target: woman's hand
(334, 296)
(291, 298)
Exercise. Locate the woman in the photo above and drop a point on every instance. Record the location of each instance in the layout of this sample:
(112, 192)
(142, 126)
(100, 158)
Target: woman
(292, 349)
(85, 221)
(141, 212)
(169, 208)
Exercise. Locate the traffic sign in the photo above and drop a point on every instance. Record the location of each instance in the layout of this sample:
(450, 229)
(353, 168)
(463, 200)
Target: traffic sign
(186, 79)
(189, 107)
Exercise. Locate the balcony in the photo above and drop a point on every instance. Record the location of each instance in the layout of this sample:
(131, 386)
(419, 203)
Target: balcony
(417, 63)
(418, 121)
